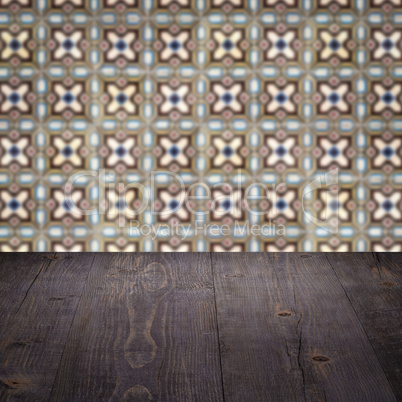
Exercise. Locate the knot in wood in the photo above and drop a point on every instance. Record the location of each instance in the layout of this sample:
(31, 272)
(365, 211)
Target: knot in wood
(284, 313)
(320, 358)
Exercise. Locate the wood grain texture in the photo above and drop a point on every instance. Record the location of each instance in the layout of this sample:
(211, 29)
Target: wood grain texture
(33, 343)
(18, 271)
(145, 329)
(288, 332)
(373, 283)
(137, 327)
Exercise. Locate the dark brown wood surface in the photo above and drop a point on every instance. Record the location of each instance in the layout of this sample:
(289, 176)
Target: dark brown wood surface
(200, 327)
(373, 284)
(34, 338)
(18, 273)
(145, 328)
(292, 307)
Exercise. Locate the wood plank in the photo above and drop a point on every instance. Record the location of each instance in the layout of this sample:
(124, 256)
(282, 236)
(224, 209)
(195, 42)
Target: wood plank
(259, 354)
(145, 329)
(33, 344)
(373, 283)
(18, 271)
(288, 331)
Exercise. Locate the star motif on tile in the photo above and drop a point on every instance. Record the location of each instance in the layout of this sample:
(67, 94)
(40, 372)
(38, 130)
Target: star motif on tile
(68, 45)
(15, 45)
(387, 98)
(280, 44)
(227, 45)
(334, 45)
(121, 99)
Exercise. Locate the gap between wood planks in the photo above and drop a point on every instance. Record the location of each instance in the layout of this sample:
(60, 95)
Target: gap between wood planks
(237, 276)
(71, 325)
(240, 276)
(217, 325)
(376, 260)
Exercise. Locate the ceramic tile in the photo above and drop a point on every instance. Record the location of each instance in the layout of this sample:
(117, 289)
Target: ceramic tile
(206, 125)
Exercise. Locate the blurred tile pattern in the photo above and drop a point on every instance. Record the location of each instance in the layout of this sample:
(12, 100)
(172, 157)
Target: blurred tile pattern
(214, 91)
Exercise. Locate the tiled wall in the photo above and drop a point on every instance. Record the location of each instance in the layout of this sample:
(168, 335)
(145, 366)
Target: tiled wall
(275, 93)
